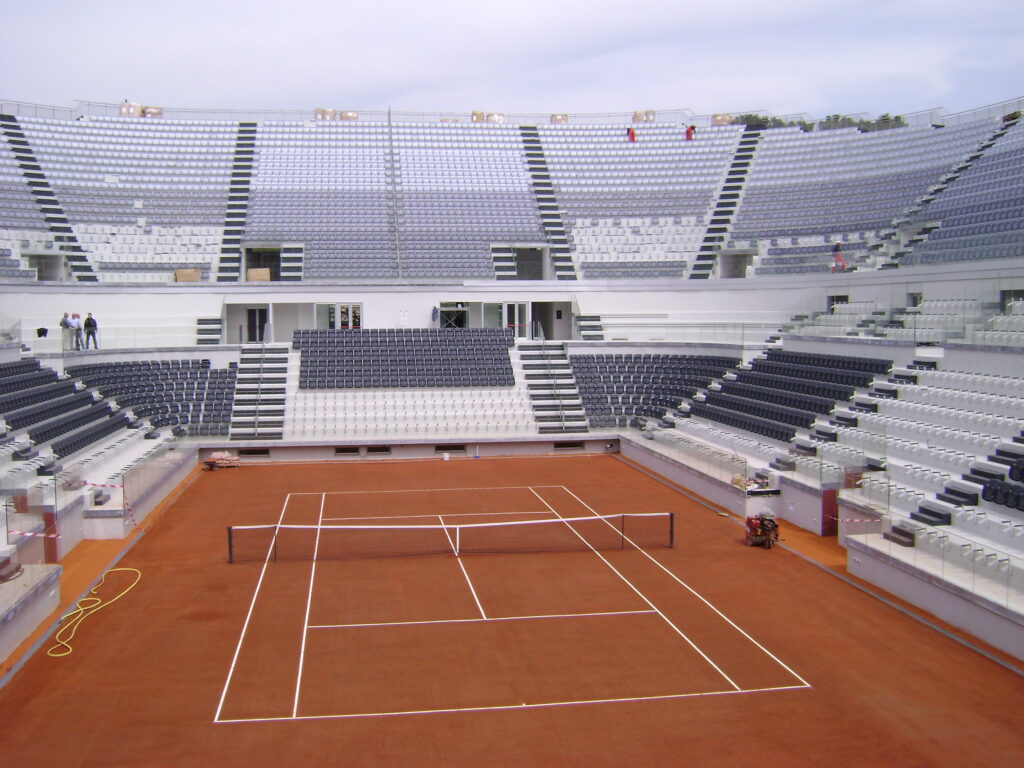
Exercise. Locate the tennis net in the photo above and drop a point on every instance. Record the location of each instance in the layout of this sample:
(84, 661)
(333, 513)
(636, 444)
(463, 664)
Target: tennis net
(339, 542)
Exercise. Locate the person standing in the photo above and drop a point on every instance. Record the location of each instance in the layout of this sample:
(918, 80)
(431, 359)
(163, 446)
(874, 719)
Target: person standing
(65, 332)
(90, 331)
(691, 132)
(838, 262)
(76, 329)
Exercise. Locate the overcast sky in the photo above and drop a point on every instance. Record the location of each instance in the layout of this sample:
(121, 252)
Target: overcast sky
(529, 56)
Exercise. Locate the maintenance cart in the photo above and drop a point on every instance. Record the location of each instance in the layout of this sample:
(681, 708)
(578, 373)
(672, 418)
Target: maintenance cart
(762, 530)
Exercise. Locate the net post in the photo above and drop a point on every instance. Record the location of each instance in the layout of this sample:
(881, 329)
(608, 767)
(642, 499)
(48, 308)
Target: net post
(231, 550)
(671, 530)
(458, 540)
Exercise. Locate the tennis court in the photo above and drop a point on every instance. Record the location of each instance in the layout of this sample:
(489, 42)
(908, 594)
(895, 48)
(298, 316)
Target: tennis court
(526, 648)
(538, 602)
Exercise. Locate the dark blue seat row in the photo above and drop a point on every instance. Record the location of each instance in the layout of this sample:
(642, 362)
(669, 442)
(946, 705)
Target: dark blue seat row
(1004, 493)
(841, 362)
(641, 384)
(779, 397)
(25, 397)
(20, 381)
(17, 367)
(796, 384)
(51, 409)
(56, 427)
(86, 437)
(162, 387)
(814, 373)
(780, 413)
(772, 429)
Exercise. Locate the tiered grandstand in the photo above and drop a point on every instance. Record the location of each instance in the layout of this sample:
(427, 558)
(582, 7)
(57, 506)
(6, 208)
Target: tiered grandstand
(346, 287)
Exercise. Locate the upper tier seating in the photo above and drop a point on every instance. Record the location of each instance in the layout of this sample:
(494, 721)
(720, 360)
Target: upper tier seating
(659, 183)
(114, 171)
(844, 181)
(325, 185)
(980, 215)
(415, 200)
(460, 188)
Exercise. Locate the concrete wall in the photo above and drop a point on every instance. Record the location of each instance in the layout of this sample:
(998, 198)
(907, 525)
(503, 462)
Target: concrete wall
(1003, 631)
(765, 300)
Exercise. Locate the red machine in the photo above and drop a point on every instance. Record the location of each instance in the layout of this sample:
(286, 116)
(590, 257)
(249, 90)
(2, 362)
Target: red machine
(220, 460)
(762, 530)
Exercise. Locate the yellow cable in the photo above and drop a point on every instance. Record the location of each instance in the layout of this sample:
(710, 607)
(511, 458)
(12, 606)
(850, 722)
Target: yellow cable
(86, 607)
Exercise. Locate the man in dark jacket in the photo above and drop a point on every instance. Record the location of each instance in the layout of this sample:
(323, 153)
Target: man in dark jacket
(90, 331)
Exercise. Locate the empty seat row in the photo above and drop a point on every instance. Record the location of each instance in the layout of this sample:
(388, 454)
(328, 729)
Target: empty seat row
(771, 429)
(52, 408)
(814, 373)
(18, 367)
(783, 414)
(26, 397)
(22, 381)
(86, 437)
(842, 362)
(55, 427)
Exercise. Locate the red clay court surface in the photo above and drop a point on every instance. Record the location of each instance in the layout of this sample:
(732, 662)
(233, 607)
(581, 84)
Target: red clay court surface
(709, 653)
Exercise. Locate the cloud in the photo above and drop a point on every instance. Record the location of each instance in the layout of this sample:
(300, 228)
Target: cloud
(530, 56)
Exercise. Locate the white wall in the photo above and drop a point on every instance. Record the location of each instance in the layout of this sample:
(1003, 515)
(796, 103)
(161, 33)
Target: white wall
(766, 300)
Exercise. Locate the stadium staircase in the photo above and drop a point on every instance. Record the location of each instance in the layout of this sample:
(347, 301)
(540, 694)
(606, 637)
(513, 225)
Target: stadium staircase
(393, 199)
(913, 228)
(590, 326)
(229, 268)
(260, 392)
(725, 206)
(557, 406)
(293, 257)
(550, 216)
(209, 330)
(57, 221)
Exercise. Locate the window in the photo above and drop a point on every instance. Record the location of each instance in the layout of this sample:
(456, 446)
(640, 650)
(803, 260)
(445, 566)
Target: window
(339, 316)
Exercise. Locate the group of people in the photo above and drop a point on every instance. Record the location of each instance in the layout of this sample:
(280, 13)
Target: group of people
(71, 327)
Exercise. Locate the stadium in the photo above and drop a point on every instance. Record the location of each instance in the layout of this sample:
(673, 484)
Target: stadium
(645, 328)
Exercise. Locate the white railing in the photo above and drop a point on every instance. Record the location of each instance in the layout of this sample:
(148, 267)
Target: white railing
(677, 116)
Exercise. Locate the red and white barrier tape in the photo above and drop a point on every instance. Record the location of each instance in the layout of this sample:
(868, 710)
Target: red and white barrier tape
(127, 506)
(37, 535)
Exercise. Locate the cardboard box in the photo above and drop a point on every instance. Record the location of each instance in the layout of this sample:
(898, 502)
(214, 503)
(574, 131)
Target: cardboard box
(186, 275)
(261, 275)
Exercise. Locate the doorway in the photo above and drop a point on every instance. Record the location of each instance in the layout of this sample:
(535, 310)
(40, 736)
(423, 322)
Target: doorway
(514, 315)
(263, 264)
(453, 315)
(49, 268)
(256, 324)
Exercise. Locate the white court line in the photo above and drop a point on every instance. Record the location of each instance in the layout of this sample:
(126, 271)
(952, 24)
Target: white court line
(248, 616)
(423, 490)
(469, 581)
(434, 514)
(699, 597)
(642, 596)
(309, 603)
(523, 706)
(478, 621)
